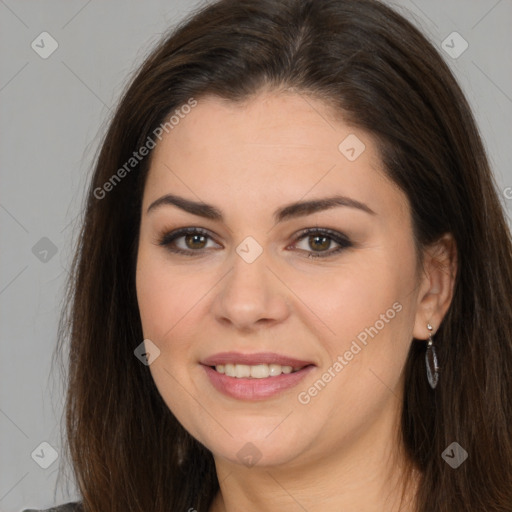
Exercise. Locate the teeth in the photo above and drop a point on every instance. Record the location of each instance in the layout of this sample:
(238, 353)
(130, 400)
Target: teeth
(259, 371)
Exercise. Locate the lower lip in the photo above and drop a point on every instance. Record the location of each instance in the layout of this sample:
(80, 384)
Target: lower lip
(255, 389)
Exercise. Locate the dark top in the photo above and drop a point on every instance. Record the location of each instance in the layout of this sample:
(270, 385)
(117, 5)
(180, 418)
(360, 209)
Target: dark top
(73, 506)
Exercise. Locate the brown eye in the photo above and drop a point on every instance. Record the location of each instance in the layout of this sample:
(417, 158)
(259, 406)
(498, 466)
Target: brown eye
(195, 241)
(188, 241)
(317, 242)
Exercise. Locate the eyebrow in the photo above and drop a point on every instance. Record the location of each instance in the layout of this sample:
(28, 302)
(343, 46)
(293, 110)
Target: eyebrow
(298, 209)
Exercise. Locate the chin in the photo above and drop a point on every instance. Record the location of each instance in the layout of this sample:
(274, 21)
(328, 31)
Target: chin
(260, 443)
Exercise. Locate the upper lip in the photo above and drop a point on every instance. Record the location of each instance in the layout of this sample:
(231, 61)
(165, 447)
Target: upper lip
(254, 359)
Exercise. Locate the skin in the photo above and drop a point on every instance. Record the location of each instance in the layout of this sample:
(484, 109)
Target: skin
(340, 451)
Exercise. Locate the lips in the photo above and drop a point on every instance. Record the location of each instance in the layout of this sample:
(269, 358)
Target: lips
(254, 376)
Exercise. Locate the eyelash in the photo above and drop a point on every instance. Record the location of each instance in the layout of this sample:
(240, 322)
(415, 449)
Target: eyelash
(167, 238)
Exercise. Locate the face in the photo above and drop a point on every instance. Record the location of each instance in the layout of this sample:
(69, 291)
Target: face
(283, 322)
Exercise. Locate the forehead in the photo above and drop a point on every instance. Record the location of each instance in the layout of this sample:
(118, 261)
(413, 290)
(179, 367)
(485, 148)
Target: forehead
(271, 149)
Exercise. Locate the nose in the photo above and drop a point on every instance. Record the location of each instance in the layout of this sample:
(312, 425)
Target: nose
(250, 296)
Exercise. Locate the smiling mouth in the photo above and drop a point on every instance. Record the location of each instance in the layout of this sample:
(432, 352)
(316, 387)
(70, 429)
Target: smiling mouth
(258, 371)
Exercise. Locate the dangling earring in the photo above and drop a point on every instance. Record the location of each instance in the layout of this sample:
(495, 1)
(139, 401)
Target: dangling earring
(431, 360)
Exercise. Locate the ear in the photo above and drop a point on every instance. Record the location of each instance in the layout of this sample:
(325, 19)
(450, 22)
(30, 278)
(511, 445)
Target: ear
(436, 285)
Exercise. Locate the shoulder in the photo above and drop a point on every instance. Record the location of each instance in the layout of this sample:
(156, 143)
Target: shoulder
(74, 506)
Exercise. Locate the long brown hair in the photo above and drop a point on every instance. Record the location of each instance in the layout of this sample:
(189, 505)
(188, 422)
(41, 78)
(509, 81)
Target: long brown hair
(375, 69)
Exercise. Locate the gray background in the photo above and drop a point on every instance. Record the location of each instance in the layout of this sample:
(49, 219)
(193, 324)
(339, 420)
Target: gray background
(53, 114)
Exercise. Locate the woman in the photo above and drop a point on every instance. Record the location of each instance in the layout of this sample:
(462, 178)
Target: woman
(292, 285)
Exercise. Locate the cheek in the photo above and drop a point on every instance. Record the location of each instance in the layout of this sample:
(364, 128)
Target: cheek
(166, 302)
(152, 298)
(368, 311)
(165, 297)
(349, 299)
